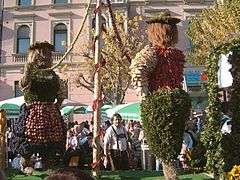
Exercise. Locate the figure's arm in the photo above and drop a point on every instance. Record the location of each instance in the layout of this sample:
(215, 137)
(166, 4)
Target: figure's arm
(142, 65)
(62, 92)
(25, 82)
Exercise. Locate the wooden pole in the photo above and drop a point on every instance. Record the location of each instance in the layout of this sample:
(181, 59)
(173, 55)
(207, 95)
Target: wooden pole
(97, 89)
(3, 129)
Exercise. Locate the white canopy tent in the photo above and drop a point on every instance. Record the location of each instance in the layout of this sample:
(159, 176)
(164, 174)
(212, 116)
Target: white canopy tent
(20, 100)
(67, 103)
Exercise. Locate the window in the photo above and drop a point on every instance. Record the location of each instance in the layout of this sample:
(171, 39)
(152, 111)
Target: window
(24, 2)
(60, 37)
(23, 39)
(60, 1)
(17, 91)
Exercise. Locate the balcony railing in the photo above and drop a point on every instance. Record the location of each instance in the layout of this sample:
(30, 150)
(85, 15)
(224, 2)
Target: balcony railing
(19, 58)
(56, 56)
(112, 1)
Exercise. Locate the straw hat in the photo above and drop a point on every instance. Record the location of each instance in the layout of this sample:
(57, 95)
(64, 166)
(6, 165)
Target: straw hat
(163, 17)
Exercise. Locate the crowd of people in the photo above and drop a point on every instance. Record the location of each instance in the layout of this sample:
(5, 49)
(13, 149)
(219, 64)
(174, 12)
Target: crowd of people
(123, 145)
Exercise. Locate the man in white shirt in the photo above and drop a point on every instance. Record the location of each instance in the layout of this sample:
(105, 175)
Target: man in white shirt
(116, 145)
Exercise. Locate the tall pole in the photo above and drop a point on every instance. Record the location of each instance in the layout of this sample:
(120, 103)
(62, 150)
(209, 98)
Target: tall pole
(96, 128)
(3, 127)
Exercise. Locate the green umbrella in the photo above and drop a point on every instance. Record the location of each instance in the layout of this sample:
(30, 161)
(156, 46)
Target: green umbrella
(11, 109)
(131, 111)
(67, 110)
(88, 109)
(81, 110)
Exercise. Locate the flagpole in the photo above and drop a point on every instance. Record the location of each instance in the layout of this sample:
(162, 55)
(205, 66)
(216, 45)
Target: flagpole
(96, 131)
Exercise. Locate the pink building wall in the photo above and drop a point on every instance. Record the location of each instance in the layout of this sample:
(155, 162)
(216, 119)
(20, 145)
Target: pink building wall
(43, 14)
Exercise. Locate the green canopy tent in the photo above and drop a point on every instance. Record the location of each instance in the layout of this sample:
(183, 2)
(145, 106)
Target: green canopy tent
(131, 111)
(88, 109)
(67, 110)
(12, 110)
(81, 110)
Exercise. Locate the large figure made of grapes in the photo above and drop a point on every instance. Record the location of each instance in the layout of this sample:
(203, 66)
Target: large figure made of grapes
(40, 128)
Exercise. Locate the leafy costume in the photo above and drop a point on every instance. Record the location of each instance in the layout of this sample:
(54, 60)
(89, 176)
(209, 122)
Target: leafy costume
(157, 76)
(40, 127)
(156, 68)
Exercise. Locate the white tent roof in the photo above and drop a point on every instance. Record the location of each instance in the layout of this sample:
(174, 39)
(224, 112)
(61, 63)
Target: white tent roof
(20, 100)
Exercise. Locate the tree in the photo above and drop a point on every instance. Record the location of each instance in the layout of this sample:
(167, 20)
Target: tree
(213, 33)
(114, 64)
(211, 28)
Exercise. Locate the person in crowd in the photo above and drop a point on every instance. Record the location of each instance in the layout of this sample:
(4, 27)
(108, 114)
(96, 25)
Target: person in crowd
(16, 162)
(80, 131)
(116, 145)
(71, 141)
(189, 141)
(146, 156)
(69, 174)
(226, 120)
(87, 149)
(87, 124)
(38, 164)
(107, 124)
(130, 127)
(91, 126)
(137, 125)
(72, 148)
(136, 148)
(84, 130)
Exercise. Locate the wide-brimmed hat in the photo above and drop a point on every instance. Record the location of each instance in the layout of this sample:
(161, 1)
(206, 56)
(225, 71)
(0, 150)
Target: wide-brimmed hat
(39, 45)
(163, 17)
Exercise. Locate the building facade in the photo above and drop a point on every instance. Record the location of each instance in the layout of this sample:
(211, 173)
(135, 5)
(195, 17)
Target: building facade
(57, 21)
(1, 22)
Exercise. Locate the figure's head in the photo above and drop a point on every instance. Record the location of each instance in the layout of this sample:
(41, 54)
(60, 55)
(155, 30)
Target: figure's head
(162, 29)
(40, 53)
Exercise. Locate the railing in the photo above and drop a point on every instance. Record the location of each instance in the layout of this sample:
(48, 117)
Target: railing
(19, 58)
(112, 1)
(56, 56)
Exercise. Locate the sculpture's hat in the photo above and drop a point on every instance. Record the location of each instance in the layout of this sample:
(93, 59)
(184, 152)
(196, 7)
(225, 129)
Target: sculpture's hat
(163, 17)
